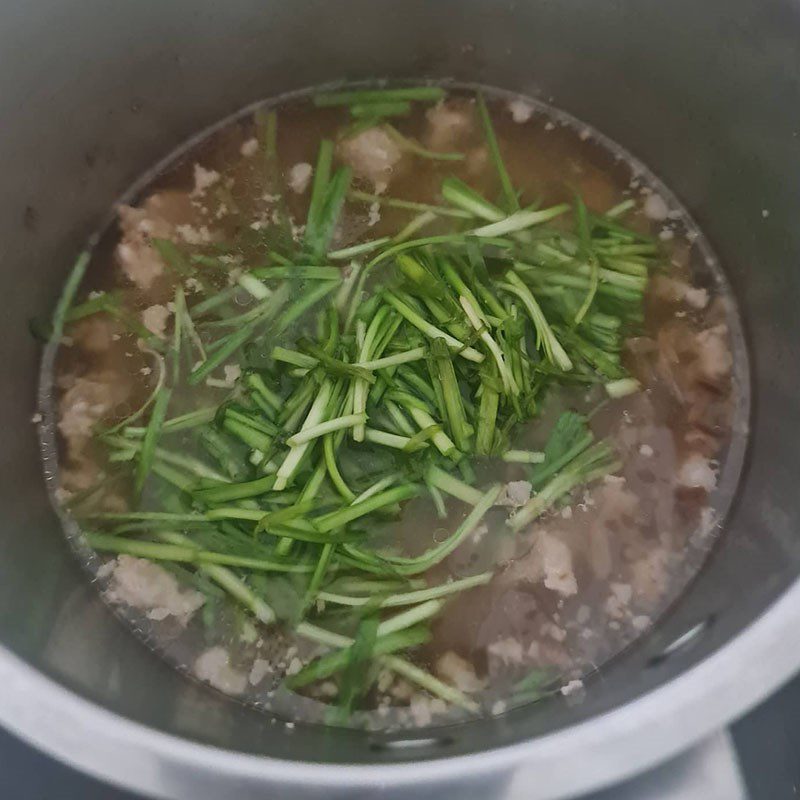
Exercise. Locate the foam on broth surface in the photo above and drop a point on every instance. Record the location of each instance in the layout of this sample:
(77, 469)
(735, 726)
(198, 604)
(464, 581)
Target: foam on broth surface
(569, 591)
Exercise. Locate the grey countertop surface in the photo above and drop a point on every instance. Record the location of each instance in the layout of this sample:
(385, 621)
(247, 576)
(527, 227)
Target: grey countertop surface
(767, 741)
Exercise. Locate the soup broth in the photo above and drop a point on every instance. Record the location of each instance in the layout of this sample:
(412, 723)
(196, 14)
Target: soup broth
(388, 409)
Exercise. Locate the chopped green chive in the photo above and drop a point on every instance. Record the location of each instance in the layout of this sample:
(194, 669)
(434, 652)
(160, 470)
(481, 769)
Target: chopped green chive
(364, 377)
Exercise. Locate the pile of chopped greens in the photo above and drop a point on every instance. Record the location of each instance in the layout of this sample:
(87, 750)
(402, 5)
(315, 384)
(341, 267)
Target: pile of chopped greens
(364, 386)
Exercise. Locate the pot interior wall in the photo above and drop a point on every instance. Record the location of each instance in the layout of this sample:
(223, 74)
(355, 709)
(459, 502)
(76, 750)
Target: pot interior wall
(705, 94)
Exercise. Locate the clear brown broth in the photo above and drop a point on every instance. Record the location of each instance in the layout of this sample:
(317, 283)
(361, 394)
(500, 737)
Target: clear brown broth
(633, 545)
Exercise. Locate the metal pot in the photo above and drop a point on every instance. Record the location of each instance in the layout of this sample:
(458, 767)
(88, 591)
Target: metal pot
(707, 94)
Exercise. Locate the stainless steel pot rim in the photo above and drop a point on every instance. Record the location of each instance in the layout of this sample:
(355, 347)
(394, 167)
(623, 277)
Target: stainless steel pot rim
(594, 753)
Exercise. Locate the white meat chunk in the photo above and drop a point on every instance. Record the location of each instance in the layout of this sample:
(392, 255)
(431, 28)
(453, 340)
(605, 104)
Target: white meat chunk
(572, 688)
(459, 672)
(423, 708)
(232, 373)
(204, 179)
(619, 599)
(372, 154)
(84, 404)
(139, 261)
(142, 584)
(656, 208)
(194, 235)
(448, 123)
(299, 177)
(614, 500)
(214, 667)
(249, 147)
(650, 574)
(696, 472)
(714, 355)
(514, 494)
(154, 318)
(521, 111)
(689, 361)
(260, 669)
(156, 218)
(557, 563)
(508, 650)
(505, 654)
(673, 290)
(374, 214)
